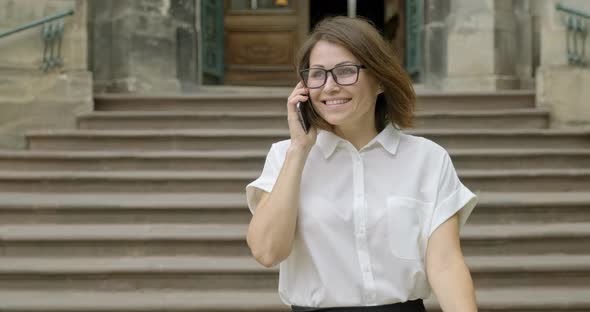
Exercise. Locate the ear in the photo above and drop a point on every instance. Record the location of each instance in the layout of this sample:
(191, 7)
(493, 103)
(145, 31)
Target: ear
(380, 89)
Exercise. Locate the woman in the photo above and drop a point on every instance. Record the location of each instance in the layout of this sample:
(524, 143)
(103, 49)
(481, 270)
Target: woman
(360, 216)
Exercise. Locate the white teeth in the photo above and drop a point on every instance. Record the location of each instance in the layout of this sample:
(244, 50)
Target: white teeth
(336, 102)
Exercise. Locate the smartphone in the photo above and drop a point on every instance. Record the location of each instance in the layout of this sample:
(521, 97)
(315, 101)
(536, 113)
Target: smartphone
(303, 117)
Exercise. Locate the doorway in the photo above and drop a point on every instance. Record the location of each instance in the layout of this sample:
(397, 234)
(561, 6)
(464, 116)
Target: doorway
(386, 15)
(370, 9)
(257, 41)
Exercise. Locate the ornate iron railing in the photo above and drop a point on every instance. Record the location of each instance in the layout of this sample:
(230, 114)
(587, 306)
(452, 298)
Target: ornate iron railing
(576, 23)
(51, 33)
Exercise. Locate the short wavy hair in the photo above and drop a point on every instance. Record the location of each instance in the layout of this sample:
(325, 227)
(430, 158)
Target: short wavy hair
(397, 102)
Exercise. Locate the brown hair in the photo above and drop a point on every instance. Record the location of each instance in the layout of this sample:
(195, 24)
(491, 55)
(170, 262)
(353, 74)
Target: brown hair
(359, 36)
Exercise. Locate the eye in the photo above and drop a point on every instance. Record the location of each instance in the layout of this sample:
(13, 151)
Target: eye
(316, 74)
(348, 70)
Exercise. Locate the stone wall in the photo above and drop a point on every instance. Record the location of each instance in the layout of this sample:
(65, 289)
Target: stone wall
(31, 99)
(483, 45)
(491, 45)
(143, 46)
(561, 88)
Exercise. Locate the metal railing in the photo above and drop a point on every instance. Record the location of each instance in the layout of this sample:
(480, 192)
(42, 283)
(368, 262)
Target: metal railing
(576, 23)
(51, 33)
(414, 15)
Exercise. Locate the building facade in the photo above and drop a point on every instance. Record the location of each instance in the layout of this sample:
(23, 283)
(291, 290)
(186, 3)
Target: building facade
(179, 46)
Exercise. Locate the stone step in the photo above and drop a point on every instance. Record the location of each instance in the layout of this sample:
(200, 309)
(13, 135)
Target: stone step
(230, 208)
(532, 208)
(112, 208)
(123, 240)
(240, 273)
(495, 119)
(132, 273)
(511, 299)
(526, 239)
(262, 139)
(126, 182)
(520, 158)
(275, 101)
(39, 160)
(499, 119)
(530, 270)
(538, 180)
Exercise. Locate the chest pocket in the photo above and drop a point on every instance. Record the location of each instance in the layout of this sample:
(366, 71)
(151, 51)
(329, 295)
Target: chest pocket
(405, 222)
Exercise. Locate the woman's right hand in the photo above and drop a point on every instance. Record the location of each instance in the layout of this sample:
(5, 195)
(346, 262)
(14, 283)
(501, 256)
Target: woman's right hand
(299, 138)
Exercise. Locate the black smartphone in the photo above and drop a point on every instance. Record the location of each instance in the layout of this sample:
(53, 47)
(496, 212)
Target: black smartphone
(303, 117)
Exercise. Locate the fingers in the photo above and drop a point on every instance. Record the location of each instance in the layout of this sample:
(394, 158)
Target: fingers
(299, 98)
(299, 94)
(292, 105)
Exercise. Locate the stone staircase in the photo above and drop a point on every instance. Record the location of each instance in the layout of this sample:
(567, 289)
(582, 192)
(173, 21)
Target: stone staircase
(142, 208)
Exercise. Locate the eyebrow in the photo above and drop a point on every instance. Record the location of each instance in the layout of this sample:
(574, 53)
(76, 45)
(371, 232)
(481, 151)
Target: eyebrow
(341, 63)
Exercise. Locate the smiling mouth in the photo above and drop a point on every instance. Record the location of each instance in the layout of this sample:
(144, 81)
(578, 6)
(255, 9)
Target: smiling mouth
(336, 102)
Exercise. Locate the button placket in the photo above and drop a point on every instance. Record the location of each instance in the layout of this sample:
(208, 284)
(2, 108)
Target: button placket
(360, 221)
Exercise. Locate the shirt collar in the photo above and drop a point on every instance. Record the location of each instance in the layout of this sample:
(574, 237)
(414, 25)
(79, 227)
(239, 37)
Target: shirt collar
(388, 138)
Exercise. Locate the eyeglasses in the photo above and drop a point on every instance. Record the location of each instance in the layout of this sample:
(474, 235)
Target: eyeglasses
(344, 75)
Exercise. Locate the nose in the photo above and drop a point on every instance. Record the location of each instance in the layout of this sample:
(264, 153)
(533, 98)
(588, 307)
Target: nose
(330, 83)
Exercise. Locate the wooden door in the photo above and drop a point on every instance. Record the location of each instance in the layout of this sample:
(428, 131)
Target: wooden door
(261, 40)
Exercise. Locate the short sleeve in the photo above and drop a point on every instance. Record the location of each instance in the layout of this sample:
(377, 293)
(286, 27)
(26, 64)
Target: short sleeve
(452, 197)
(267, 179)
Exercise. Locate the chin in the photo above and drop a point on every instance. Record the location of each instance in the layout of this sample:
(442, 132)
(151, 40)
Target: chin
(335, 122)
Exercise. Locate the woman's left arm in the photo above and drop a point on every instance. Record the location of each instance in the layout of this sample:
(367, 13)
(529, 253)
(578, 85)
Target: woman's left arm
(447, 272)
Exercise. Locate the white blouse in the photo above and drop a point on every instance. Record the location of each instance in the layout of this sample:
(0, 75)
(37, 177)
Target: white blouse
(365, 218)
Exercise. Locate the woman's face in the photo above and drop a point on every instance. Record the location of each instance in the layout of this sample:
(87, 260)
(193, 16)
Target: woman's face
(343, 106)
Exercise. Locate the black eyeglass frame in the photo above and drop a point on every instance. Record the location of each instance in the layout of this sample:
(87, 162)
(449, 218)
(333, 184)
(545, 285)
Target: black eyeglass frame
(331, 73)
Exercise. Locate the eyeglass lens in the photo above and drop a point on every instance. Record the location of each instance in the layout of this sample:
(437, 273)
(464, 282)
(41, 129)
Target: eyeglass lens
(343, 75)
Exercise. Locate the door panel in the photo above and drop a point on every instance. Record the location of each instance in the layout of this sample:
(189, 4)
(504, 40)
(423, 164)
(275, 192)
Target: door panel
(261, 42)
(256, 48)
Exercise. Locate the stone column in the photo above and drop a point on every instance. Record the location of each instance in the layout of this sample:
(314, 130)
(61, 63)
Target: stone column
(561, 88)
(144, 46)
(526, 39)
(481, 46)
(435, 43)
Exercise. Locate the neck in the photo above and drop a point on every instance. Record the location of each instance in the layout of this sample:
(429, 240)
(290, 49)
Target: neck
(358, 135)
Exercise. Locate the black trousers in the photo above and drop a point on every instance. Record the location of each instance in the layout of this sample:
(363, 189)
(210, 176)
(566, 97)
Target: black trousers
(408, 306)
